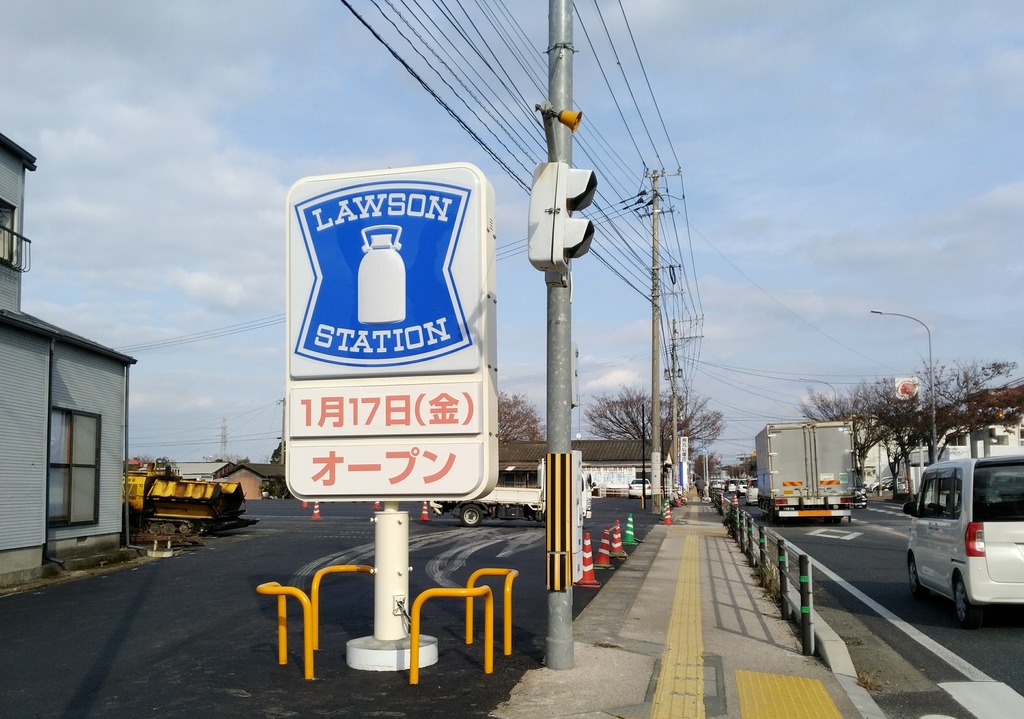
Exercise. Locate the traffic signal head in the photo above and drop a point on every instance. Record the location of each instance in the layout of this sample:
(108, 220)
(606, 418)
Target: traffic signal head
(554, 236)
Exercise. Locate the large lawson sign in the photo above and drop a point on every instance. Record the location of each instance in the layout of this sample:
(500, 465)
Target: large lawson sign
(391, 347)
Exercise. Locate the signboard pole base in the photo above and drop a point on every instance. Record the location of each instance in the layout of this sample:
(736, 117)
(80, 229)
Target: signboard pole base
(389, 647)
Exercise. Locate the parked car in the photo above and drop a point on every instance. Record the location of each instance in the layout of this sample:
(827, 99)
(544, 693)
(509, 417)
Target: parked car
(966, 534)
(640, 487)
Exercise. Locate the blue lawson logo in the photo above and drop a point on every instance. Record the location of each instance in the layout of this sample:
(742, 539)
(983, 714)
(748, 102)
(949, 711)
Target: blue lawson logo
(383, 291)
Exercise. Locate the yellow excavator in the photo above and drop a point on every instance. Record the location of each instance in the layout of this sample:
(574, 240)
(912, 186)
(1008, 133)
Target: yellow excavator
(161, 502)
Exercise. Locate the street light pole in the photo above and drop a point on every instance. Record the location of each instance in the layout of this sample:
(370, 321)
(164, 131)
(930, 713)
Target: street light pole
(933, 450)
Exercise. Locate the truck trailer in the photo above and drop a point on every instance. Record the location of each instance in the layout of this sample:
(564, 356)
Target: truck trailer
(805, 470)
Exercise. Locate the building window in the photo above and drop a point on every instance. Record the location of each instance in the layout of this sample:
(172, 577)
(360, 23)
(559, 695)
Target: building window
(74, 467)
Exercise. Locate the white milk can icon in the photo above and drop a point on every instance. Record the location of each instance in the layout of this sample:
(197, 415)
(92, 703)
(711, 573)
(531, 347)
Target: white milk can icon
(381, 278)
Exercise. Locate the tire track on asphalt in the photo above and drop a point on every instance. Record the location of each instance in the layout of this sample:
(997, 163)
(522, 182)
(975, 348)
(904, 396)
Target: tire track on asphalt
(364, 553)
(441, 567)
(521, 541)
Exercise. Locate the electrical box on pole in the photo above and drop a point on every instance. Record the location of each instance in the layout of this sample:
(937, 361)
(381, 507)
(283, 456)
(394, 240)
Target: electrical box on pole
(554, 235)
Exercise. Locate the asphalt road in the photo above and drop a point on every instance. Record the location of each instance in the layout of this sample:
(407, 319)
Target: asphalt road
(188, 636)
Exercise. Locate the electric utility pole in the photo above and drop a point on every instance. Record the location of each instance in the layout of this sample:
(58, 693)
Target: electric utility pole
(656, 487)
(554, 238)
(559, 648)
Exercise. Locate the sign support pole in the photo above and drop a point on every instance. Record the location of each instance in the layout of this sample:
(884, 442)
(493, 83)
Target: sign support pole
(389, 647)
(559, 646)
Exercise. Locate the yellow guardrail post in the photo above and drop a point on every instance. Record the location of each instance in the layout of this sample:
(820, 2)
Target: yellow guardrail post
(466, 592)
(281, 592)
(315, 592)
(510, 576)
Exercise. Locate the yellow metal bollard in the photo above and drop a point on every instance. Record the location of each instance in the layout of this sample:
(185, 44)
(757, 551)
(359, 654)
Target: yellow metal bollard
(315, 592)
(510, 576)
(414, 628)
(281, 592)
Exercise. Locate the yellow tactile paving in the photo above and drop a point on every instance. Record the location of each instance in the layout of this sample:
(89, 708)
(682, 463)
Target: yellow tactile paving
(680, 689)
(777, 696)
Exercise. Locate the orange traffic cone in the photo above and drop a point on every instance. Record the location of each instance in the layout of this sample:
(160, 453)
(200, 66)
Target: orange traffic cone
(668, 516)
(376, 505)
(604, 554)
(617, 551)
(305, 504)
(316, 510)
(588, 580)
(424, 513)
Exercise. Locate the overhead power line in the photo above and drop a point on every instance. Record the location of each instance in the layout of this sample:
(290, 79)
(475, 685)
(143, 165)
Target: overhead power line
(206, 335)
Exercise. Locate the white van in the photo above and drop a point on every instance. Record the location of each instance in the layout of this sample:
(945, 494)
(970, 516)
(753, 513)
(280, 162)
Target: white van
(966, 539)
(751, 491)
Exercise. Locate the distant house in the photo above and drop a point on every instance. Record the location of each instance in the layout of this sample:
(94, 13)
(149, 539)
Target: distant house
(607, 463)
(204, 471)
(63, 419)
(257, 479)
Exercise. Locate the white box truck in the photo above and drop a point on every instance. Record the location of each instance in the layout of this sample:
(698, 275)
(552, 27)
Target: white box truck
(805, 470)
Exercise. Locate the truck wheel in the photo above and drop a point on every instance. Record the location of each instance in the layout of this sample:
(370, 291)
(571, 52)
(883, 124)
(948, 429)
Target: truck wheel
(471, 516)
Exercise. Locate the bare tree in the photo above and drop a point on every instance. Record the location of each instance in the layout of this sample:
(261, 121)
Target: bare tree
(627, 415)
(518, 420)
(696, 420)
(967, 402)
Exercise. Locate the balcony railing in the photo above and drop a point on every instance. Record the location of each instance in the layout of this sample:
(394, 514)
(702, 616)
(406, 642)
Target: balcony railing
(15, 250)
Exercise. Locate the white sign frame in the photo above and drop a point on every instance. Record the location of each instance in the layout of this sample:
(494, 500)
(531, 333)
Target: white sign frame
(391, 335)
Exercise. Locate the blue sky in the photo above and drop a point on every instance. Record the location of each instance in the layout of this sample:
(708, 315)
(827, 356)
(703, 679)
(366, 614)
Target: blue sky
(836, 158)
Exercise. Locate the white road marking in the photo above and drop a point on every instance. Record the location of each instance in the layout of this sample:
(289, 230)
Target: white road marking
(986, 700)
(835, 534)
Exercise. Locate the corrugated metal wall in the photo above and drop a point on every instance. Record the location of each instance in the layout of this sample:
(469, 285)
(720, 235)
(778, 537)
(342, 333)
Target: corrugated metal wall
(11, 188)
(93, 383)
(10, 288)
(11, 179)
(23, 417)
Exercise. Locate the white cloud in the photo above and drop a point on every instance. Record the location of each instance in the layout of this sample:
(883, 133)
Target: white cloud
(837, 158)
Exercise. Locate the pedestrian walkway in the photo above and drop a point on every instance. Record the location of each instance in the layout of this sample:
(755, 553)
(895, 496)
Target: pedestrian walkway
(683, 630)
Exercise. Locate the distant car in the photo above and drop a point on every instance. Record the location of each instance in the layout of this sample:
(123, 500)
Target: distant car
(731, 487)
(752, 491)
(640, 488)
(860, 497)
(875, 486)
(966, 535)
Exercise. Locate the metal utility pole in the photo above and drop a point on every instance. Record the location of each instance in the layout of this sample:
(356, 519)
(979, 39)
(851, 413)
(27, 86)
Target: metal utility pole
(224, 439)
(559, 647)
(656, 487)
(675, 406)
(934, 449)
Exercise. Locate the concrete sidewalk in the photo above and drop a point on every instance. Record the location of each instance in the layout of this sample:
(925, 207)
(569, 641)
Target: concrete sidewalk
(681, 629)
